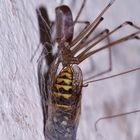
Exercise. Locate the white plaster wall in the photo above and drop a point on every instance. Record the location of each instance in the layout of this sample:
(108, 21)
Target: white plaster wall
(20, 108)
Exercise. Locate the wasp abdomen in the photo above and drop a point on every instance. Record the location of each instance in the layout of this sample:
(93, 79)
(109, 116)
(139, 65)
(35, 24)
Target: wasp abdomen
(62, 92)
(64, 104)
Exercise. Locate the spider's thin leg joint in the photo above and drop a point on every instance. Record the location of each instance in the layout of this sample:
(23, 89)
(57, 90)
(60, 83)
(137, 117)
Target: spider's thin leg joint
(87, 22)
(129, 22)
(125, 23)
(101, 18)
(105, 31)
(85, 85)
(136, 37)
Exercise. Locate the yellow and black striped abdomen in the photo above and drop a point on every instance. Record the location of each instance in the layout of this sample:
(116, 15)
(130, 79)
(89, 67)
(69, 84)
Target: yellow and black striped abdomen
(62, 90)
(65, 103)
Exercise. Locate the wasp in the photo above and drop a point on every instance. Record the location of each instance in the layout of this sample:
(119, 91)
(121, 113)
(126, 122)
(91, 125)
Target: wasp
(64, 87)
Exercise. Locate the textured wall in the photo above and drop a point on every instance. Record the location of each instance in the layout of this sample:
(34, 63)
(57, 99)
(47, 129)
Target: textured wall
(20, 108)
